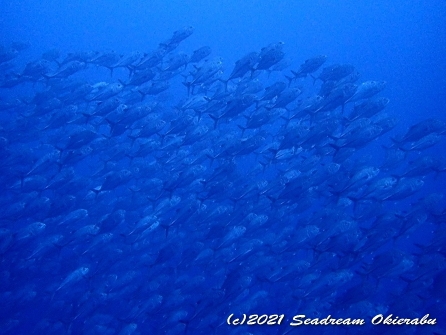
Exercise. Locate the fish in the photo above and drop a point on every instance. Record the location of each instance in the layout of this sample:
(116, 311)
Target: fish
(73, 277)
(176, 62)
(105, 91)
(200, 54)
(7, 54)
(270, 56)
(367, 90)
(244, 65)
(335, 72)
(422, 129)
(368, 108)
(310, 66)
(179, 36)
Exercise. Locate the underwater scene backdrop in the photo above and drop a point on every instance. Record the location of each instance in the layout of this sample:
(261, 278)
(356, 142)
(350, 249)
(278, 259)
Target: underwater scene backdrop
(203, 167)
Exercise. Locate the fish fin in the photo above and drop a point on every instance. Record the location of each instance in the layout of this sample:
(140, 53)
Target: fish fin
(242, 128)
(314, 79)
(334, 146)
(215, 120)
(188, 84)
(143, 95)
(290, 79)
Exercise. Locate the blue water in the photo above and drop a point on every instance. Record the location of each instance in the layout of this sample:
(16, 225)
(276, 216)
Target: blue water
(188, 278)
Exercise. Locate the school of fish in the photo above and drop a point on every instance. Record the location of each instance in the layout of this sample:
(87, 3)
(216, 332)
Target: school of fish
(156, 193)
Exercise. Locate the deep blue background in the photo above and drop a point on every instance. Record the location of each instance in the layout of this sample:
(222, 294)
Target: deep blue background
(401, 42)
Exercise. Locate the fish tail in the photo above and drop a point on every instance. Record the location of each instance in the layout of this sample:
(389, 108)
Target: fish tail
(215, 120)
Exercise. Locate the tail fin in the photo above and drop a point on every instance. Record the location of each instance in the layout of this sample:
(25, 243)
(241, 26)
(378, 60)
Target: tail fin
(188, 84)
(314, 79)
(242, 128)
(225, 82)
(290, 79)
(143, 95)
(215, 120)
